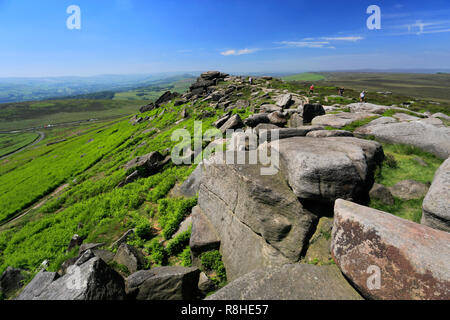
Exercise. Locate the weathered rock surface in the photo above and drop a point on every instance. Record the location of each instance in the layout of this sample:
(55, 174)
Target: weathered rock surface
(285, 133)
(409, 189)
(86, 280)
(148, 164)
(256, 119)
(436, 205)
(310, 111)
(284, 101)
(295, 121)
(191, 185)
(404, 117)
(130, 257)
(268, 108)
(289, 282)
(424, 136)
(38, 285)
(340, 120)
(412, 259)
(205, 285)
(203, 236)
(258, 219)
(164, 283)
(277, 118)
(330, 168)
(367, 107)
(11, 280)
(166, 97)
(235, 122)
(329, 133)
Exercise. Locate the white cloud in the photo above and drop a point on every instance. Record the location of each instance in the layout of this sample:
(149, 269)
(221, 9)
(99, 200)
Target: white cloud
(352, 38)
(305, 44)
(233, 52)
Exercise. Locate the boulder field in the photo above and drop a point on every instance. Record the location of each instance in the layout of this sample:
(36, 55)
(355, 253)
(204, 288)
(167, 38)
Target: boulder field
(297, 228)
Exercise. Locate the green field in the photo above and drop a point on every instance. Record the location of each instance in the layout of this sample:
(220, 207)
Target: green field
(307, 76)
(14, 141)
(14, 116)
(425, 86)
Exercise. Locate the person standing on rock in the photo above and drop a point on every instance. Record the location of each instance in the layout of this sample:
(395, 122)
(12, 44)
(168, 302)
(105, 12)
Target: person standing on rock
(341, 91)
(362, 96)
(250, 80)
(311, 89)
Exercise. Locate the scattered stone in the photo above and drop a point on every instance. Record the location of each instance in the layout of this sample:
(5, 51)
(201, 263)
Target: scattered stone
(191, 185)
(268, 108)
(277, 118)
(89, 246)
(285, 133)
(295, 121)
(409, 189)
(235, 122)
(403, 117)
(130, 257)
(148, 107)
(284, 101)
(148, 164)
(11, 281)
(164, 283)
(222, 120)
(166, 97)
(122, 239)
(256, 119)
(184, 226)
(436, 205)
(289, 282)
(205, 284)
(74, 242)
(382, 194)
(386, 257)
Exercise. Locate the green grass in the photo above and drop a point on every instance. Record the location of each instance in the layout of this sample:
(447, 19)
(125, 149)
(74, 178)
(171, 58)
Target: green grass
(304, 77)
(15, 141)
(401, 165)
(14, 116)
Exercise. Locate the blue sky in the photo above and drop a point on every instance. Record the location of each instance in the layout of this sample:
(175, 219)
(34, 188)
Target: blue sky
(137, 36)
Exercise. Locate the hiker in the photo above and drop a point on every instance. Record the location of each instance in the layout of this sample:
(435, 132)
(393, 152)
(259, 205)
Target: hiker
(362, 96)
(311, 89)
(341, 91)
(250, 80)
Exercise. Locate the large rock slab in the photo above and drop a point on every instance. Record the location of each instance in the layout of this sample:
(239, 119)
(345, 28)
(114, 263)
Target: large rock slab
(38, 285)
(436, 205)
(422, 135)
(387, 257)
(235, 122)
(367, 107)
(258, 219)
(164, 283)
(289, 282)
(203, 236)
(340, 120)
(330, 168)
(284, 133)
(329, 133)
(86, 280)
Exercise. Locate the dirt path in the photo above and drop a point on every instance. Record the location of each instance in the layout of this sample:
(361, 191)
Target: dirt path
(36, 206)
(41, 137)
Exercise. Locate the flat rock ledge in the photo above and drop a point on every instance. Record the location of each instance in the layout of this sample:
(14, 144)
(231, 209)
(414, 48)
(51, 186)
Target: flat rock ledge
(390, 258)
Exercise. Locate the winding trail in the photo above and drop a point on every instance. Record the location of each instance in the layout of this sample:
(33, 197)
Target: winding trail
(39, 139)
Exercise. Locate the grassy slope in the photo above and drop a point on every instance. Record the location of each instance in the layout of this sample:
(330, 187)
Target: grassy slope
(37, 114)
(12, 142)
(104, 210)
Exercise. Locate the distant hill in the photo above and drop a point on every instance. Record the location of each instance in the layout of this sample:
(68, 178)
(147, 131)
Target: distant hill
(28, 89)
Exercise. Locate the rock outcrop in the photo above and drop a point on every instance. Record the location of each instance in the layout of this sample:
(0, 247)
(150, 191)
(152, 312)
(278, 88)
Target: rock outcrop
(387, 257)
(256, 213)
(330, 168)
(436, 205)
(427, 137)
(340, 120)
